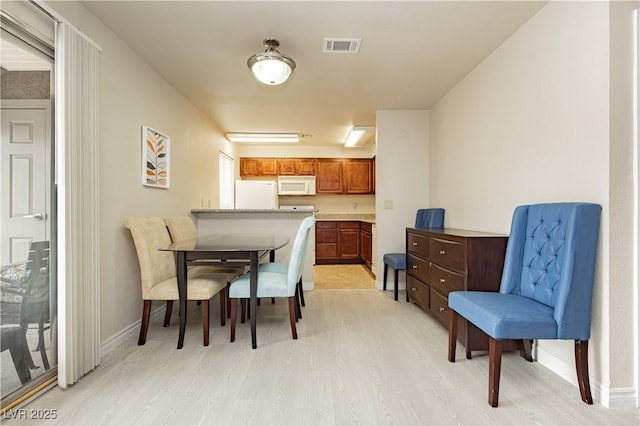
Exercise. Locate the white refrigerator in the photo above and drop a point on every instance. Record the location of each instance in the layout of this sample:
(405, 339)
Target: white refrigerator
(256, 194)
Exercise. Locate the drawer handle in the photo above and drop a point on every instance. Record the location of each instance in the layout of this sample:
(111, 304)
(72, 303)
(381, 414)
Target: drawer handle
(415, 244)
(442, 309)
(442, 280)
(414, 266)
(442, 252)
(413, 289)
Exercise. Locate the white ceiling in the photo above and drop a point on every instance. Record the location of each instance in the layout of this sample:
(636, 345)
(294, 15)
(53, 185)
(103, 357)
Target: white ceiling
(412, 53)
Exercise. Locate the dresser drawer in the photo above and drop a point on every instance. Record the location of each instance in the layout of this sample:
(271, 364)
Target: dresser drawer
(439, 306)
(448, 253)
(418, 292)
(418, 244)
(418, 267)
(445, 280)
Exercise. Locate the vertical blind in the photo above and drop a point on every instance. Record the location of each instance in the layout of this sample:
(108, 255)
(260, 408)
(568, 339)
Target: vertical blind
(76, 105)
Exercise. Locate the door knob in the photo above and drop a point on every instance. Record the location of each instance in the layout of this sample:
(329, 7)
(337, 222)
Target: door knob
(37, 216)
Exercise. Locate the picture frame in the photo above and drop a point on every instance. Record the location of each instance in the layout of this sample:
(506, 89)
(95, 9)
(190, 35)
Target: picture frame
(156, 158)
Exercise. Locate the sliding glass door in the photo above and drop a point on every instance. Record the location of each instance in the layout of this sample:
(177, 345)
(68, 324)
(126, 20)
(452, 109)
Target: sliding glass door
(27, 208)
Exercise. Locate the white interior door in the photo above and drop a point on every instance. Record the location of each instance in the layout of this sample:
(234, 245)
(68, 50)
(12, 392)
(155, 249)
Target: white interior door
(24, 177)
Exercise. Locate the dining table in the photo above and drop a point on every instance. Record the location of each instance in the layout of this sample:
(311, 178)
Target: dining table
(224, 250)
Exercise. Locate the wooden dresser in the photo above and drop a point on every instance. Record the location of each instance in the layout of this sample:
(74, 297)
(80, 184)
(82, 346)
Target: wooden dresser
(443, 260)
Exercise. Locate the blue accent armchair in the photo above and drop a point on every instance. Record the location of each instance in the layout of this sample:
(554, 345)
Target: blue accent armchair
(546, 287)
(425, 218)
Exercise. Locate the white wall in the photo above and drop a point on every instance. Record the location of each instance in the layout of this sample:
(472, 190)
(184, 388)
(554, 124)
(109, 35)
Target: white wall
(133, 95)
(531, 124)
(402, 177)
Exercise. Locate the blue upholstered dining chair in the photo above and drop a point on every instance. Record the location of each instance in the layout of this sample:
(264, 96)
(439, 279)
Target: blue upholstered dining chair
(425, 218)
(277, 282)
(546, 288)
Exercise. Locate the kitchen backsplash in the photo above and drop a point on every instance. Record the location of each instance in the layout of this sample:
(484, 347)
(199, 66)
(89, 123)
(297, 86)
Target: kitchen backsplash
(334, 204)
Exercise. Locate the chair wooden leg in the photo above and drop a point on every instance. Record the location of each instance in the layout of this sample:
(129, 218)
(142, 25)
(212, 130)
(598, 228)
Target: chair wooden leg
(292, 317)
(384, 278)
(395, 284)
(453, 334)
(234, 311)
(243, 310)
(205, 322)
(223, 304)
(525, 349)
(298, 308)
(495, 360)
(582, 369)
(301, 294)
(226, 295)
(144, 325)
(167, 313)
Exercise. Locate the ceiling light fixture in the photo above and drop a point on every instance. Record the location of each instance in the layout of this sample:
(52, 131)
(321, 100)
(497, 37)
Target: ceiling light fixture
(357, 136)
(263, 137)
(271, 67)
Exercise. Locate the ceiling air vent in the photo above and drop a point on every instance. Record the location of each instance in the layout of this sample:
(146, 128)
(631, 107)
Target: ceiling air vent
(341, 45)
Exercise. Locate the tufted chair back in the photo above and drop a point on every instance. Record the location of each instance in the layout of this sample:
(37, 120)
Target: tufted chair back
(430, 218)
(550, 258)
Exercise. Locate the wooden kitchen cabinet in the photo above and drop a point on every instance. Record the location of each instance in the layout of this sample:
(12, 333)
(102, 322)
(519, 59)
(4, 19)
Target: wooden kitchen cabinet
(258, 166)
(445, 260)
(359, 176)
(345, 176)
(366, 243)
(329, 176)
(296, 166)
(338, 242)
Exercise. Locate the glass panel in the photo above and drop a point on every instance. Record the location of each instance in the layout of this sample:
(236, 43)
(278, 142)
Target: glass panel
(27, 219)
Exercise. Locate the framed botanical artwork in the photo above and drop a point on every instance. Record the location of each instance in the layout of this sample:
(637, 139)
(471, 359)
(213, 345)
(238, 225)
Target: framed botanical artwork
(156, 158)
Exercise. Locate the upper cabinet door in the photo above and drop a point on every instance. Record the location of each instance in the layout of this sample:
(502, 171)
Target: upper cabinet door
(306, 166)
(258, 166)
(286, 166)
(329, 176)
(359, 176)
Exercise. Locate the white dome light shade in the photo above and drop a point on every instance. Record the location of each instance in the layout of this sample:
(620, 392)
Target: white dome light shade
(271, 67)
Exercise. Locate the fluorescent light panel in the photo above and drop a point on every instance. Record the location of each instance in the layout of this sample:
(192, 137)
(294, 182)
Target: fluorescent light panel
(263, 137)
(356, 136)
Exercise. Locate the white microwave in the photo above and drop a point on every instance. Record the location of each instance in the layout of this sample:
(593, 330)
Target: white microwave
(296, 185)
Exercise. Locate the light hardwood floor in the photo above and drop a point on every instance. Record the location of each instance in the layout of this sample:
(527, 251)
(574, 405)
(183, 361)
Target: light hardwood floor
(360, 358)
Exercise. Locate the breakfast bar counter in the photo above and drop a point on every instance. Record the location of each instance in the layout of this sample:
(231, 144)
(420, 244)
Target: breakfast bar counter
(273, 221)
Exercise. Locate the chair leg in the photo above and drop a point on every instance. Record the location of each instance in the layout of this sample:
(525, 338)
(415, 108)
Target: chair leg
(292, 317)
(243, 310)
(167, 313)
(226, 295)
(395, 284)
(301, 294)
(144, 325)
(273, 300)
(495, 360)
(298, 308)
(453, 334)
(525, 349)
(384, 278)
(223, 304)
(234, 311)
(205, 322)
(41, 345)
(582, 369)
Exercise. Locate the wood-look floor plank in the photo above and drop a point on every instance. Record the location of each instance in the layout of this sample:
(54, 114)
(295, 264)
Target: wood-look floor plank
(360, 358)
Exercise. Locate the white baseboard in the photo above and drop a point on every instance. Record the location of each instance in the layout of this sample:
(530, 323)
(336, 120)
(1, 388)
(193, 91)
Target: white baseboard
(126, 334)
(614, 398)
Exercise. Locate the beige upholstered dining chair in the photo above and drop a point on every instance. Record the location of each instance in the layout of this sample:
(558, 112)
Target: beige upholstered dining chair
(182, 228)
(158, 275)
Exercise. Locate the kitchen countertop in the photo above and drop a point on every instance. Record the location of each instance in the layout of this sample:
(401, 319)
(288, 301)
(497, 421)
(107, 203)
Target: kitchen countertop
(362, 217)
(196, 211)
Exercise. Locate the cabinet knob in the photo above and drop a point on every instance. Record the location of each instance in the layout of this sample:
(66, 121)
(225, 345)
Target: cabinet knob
(442, 280)
(414, 243)
(442, 252)
(413, 289)
(442, 309)
(414, 266)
